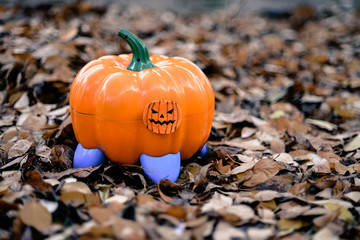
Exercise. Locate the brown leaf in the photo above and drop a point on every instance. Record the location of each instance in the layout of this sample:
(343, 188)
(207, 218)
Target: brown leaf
(293, 212)
(321, 166)
(329, 217)
(11, 180)
(346, 113)
(253, 144)
(266, 195)
(242, 168)
(61, 157)
(223, 169)
(331, 232)
(322, 124)
(167, 187)
(288, 224)
(277, 145)
(217, 202)
(260, 233)
(34, 179)
(285, 158)
(165, 197)
(79, 187)
(126, 229)
(31, 122)
(299, 128)
(226, 231)
(78, 198)
(256, 179)
(83, 172)
(353, 144)
(43, 151)
(36, 215)
(19, 148)
(354, 196)
(244, 212)
(247, 132)
(200, 177)
(263, 170)
(102, 216)
(177, 211)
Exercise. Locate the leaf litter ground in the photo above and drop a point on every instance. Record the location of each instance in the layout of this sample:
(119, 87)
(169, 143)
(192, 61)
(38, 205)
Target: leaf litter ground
(285, 140)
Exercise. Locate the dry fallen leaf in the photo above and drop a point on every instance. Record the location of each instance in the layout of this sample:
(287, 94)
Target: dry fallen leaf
(353, 144)
(260, 234)
(247, 132)
(79, 187)
(242, 168)
(326, 233)
(224, 231)
(322, 124)
(277, 145)
(354, 196)
(19, 148)
(126, 229)
(293, 212)
(103, 216)
(243, 211)
(36, 215)
(322, 166)
(266, 195)
(253, 144)
(289, 224)
(285, 158)
(34, 179)
(345, 214)
(325, 219)
(217, 202)
(263, 170)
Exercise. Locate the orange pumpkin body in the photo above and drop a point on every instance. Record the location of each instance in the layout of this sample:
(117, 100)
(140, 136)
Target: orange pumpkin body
(110, 108)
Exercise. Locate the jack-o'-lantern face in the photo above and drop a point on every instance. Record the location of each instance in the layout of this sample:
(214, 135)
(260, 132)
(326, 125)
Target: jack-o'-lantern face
(162, 116)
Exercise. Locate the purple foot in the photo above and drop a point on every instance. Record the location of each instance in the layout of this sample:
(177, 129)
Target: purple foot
(203, 151)
(84, 158)
(164, 167)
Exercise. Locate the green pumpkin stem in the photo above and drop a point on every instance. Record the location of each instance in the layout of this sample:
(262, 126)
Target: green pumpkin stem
(140, 60)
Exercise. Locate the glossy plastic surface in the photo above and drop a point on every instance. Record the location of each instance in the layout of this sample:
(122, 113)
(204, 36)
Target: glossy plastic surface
(107, 103)
(160, 168)
(203, 151)
(84, 158)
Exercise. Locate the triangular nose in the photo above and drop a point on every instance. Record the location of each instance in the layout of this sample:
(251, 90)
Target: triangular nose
(162, 116)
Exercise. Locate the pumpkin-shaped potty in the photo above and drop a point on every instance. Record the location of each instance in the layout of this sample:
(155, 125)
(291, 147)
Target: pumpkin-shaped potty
(132, 106)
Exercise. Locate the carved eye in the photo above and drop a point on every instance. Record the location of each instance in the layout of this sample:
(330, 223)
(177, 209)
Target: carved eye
(153, 111)
(170, 111)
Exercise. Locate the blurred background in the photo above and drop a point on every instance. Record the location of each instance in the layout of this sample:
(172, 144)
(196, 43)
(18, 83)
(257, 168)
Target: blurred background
(190, 6)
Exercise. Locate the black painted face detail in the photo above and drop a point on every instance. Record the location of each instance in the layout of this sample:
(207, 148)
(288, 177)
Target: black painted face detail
(162, 123)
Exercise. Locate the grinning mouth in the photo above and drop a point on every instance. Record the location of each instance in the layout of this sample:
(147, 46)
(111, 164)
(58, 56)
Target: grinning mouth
(162, 123)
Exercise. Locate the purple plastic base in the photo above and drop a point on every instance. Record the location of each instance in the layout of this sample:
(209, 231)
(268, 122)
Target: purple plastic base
(203, 151)
(84, 158)
(164, 167)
